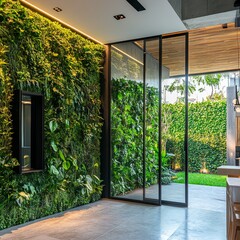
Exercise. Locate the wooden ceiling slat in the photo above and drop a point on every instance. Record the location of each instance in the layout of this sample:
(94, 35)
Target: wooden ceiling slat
(211, 49)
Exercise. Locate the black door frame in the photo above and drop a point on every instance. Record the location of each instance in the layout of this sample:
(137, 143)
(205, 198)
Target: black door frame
(150, 200)
(106, 141)
(172, 203)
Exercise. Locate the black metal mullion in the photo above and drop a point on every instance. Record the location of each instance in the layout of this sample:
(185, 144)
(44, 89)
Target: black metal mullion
(150, 202)
(144, 119)
(105, 166)
(159, 123)
(186, 117)
(109, 98)
(172, 203)
(108, 120)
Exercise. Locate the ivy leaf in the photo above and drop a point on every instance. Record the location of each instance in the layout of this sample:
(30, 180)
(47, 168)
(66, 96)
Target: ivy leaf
(54, 170)
(89, 186)
(54, 146)
(89, 179)
(97, 178)
(66, 165)
(61, 155)
(67, 122)
(53, 126)
(74, 162)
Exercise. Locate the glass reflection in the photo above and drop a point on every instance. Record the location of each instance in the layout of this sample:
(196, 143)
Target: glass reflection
(26, 132)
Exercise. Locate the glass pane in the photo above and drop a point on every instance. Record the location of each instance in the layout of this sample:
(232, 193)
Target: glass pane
(127, 120)
(173, 120)
(152, 119)
(207, 123)
(26, 132)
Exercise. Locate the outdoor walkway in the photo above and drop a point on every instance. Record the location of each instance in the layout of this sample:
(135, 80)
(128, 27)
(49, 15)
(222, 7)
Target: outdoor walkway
(119, 220)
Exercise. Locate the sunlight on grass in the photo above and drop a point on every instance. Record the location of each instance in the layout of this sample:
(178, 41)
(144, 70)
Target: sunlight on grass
(202, 179)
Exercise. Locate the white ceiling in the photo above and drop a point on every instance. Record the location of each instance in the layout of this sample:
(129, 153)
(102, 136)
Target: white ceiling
(211, 20)
(95, 18)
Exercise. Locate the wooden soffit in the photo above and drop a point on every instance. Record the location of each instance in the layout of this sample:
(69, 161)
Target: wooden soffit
(214, 49)
(211, 49)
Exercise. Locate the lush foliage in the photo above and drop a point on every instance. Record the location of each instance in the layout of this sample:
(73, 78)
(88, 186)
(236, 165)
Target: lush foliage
(127, 137)
(207, 136)
(202, 179)
(38, 55)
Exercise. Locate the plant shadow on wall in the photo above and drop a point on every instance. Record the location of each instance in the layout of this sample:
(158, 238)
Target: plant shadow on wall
(207, 136)
(38, 55)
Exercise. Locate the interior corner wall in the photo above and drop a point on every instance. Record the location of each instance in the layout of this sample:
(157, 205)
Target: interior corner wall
(177, 6)
(231, 127)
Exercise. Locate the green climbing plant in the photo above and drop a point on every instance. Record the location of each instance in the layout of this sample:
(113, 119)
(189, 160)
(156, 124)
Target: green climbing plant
(38, 55)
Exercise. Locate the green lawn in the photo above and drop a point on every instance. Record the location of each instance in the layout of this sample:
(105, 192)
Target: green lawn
(202, 179)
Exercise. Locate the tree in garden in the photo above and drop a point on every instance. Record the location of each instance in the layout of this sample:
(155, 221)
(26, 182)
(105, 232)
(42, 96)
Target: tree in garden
(178, 85)
(211, 80)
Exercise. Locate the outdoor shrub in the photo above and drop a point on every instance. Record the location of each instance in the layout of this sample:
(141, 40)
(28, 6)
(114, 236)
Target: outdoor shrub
(206, 137)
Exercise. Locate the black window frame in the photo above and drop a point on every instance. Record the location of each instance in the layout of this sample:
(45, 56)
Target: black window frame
(37, 130)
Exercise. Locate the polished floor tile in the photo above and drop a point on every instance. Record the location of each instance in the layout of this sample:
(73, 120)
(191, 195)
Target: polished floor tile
(121, 220)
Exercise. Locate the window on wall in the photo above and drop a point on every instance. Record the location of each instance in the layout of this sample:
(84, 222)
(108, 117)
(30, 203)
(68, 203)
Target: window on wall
(27, 113)
(26, 132)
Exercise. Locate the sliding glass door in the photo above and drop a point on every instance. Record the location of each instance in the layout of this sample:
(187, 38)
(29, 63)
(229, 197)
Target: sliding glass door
(174, 120)
(151, 139)
(127, 120)
(143, 152)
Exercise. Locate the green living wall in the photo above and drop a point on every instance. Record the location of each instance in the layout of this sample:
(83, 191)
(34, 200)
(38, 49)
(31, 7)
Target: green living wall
(207, 136)
(38, 55)
(127, 137)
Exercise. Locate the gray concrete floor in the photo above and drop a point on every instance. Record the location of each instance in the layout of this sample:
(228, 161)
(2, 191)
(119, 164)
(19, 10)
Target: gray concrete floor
(120, 220)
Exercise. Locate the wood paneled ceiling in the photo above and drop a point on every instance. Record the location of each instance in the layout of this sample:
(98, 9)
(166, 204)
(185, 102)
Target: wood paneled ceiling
(214, 49)
(211, 49)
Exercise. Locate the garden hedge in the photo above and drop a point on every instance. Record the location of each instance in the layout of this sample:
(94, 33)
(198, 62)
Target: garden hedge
(206, 136)
(38, 55)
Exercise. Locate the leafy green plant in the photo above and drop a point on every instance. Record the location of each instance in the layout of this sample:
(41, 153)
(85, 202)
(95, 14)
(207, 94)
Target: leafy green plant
(207, 136)
(212, 80)
(38, 55)
(127, 137)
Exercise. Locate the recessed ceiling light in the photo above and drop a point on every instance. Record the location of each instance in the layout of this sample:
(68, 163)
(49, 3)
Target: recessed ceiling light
(224, 25)
(57, 9)
(119, 16)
